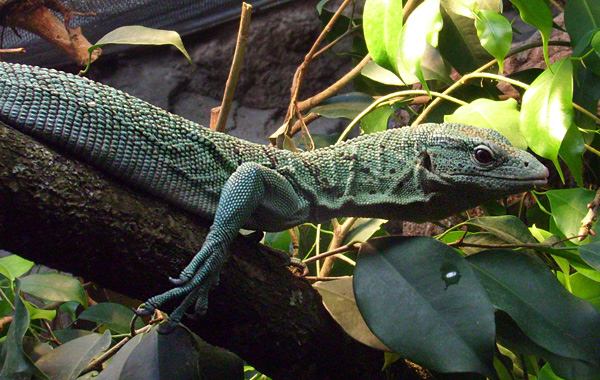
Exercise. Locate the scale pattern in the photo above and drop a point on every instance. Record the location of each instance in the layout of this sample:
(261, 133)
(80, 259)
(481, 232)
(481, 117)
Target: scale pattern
(415, 173)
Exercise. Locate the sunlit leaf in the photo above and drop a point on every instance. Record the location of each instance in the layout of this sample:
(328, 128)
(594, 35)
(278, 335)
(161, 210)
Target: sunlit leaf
(16, 265)
(141, 35)
(547, 110)
(495, 34)
(568, 207)
(571, 151)
(382, 23)
(503, 116)
(422, 28)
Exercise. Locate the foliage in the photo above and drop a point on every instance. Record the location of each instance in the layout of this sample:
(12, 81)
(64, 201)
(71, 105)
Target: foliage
(514, 286)
(508, 293)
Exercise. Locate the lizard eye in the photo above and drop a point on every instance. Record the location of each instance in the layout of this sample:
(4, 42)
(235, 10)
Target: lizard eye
(484, 155)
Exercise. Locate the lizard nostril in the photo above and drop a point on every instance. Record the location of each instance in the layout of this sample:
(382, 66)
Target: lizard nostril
(526, 164)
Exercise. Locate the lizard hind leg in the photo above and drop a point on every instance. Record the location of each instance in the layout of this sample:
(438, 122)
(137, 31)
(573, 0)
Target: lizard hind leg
(247, 189)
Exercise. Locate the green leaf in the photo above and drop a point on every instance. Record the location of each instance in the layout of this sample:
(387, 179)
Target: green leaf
(432, 65)
(525, 288)
(140, 35)
(585, 288)
(112, 370)
(422, 299)
(37, 313)
(547, 110)
(377, 120)
(67, 361)
(15, 265)
(547, 374)
(587, 94)
(582, 17)
(591, 254)
(116, 317)
(571, 151)
(422, 28)
(503, 116)
(538, 14)
(511, 336)
(569, 206)
(14, 364)
(507, 227)
(347, 105)
(459, 43)
(54, 287)
(338, 298)
(363, 229)
(382, 23)
(495, 34)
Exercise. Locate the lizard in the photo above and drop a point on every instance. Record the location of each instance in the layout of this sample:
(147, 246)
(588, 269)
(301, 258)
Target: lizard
(419, 173)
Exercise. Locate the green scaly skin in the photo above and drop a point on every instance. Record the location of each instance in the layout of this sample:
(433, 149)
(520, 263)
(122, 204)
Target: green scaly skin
(420, 173)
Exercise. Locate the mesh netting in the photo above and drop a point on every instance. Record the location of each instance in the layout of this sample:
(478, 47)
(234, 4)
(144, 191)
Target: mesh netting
(183, 16)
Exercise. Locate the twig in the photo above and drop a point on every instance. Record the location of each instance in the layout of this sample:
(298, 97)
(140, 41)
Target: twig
(319, 278)
(13, 51)
(590, 218)
(334, 88)
(94, 364)
(343, 248)
(236, 67)
(339, 234)
(341, 37)
(301, 71)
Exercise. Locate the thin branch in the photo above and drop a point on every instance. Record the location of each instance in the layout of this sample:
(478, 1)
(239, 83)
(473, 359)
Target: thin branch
(301, 71)
(590, 218)
(342, 249)
(236, 67)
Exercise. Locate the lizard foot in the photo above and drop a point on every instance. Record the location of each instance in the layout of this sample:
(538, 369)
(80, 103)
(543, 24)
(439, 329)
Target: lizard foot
(194, 292)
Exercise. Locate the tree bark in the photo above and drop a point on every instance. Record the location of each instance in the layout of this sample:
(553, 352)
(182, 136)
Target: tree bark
(64, 214)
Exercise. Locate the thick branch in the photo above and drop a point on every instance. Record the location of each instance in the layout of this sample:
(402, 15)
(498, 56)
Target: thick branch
(64, 214)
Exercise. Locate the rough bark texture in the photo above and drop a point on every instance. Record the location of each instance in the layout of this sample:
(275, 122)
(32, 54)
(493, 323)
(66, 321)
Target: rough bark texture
(68, 216)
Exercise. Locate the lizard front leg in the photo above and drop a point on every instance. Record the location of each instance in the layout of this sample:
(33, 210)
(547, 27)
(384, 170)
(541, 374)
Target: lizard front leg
(251, 188)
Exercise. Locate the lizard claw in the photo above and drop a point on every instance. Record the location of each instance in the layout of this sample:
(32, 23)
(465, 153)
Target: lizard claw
(179, 280)
(144, 310)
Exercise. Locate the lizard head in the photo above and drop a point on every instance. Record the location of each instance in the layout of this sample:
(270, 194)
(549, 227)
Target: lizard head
(460, 165)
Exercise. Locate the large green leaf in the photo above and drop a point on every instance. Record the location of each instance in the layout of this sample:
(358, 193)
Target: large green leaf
(538, 14)
(525, 288)
(347, 105)
(459, 43)
(15, 266)
(67, 361)
(422, 299)
(503, 116)
(547, 110)
(568, 207)
(495, 34)
(112, 370)
(511, 336)
(117, 317)
(54, 287)
(585, 288)
(507, 227)
(421, 28)
(382, 23)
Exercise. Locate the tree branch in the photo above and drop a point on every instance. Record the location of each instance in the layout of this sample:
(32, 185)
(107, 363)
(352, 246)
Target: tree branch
(66, 215)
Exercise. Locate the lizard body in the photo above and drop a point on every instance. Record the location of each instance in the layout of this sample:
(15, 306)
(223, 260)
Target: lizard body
(417, 173)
